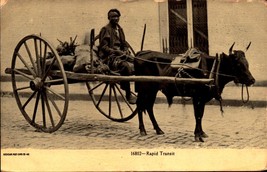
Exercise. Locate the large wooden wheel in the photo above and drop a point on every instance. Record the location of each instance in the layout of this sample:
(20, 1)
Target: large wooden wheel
(42, 100)
(109, 99)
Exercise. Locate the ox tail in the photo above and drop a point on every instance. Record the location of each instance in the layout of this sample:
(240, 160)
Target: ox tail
(168, 96)
(170, 100)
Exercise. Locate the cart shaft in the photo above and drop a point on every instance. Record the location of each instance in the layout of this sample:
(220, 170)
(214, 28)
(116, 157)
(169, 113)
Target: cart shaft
(81, 77)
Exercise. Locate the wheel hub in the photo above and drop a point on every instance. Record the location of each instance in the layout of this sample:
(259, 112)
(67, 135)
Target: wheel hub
(36, 84)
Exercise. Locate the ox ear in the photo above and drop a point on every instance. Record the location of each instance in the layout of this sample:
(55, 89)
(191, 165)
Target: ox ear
(231, 48)
(248, 46)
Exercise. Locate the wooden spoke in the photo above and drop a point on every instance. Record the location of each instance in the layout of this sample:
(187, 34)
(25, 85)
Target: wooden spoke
(22, 88)
(30, 56)
(117, 101)
(23, 74)
(35, 107)
(29, 99)
(44, 59)
(100, 99)
(55, 93)
(124, 98)
(37, 57)
(40, 44)
(49, 68)
(49, 111)
(26, 65)
(53, 81)
(55, 106)
(110, 96)
(43, 109)
(98, 85)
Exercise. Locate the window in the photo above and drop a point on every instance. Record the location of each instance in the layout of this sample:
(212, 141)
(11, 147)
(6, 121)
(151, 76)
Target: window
(182, 34)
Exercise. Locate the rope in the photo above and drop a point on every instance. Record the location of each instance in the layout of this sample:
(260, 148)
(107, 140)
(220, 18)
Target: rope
(217, 73)
(242, 93)
(176, 86)
(182, 64)
(181, 69)
(213, 67)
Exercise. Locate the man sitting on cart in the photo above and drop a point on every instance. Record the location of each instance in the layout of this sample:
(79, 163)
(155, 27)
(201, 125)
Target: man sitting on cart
(113, 50)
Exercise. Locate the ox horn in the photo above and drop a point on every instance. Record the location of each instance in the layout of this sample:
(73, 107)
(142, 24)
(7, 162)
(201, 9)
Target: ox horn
(248, 46)
(231, 48)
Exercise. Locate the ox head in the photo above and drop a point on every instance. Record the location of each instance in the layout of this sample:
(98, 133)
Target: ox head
(240, 66)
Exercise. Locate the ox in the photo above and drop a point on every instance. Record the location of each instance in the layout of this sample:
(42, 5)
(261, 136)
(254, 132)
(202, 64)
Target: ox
(232, 67)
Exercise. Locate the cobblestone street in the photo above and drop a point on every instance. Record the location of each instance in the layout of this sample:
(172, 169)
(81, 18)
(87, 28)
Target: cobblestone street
(86, 128)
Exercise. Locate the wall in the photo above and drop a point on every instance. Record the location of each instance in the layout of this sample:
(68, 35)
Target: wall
(240, 22)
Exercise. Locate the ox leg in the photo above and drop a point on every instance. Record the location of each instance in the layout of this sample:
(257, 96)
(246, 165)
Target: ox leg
(154, 122)
(140, 103)
(150, 112)
(199, 107)
(141, 123)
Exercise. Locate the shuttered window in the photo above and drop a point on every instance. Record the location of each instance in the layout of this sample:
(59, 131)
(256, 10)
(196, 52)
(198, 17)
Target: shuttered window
(179, 38)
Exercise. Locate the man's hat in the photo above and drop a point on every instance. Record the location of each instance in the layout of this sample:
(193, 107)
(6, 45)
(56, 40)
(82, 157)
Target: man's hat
(113, 12)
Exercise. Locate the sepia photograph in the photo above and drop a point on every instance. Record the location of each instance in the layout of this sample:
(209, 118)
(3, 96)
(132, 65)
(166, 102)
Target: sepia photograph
(133, 85)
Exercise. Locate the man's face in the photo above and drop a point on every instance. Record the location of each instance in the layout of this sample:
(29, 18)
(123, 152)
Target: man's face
(114, 19)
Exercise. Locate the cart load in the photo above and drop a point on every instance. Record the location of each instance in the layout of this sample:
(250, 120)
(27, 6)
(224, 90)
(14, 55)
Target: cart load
(78, 58)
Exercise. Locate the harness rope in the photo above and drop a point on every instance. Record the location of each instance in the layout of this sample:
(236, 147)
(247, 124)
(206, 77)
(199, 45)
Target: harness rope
(180, 76)
(218, 97)
(181, 64)
(242, 93)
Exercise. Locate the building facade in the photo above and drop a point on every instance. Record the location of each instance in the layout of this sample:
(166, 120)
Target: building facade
(172, 25)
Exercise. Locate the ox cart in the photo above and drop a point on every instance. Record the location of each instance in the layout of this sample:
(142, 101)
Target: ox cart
(42, 93)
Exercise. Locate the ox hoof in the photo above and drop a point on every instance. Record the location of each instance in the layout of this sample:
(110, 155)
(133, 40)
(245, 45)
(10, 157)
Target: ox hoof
(204, 135)
(198, 139)
(159, 132)
(143, 133)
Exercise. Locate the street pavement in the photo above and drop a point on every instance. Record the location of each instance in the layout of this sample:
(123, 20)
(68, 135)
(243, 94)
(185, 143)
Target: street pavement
(85, 128)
